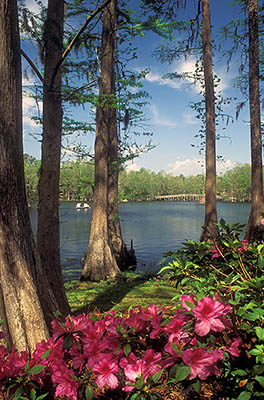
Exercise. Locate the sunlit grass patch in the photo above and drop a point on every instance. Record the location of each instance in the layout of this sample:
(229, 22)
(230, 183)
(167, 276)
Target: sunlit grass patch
(131, 290)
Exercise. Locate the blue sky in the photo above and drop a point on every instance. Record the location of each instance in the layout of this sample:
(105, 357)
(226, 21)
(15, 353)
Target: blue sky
(169, 115)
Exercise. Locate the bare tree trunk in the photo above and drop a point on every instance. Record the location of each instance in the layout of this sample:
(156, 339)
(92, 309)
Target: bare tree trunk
(100, 262)
(48, 236)
(209, 227)
(20, 306)
(120, 251)
(122, 256)
(254, 228)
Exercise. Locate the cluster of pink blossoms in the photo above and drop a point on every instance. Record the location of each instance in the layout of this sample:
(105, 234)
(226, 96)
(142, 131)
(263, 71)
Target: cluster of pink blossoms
(115, 351)
(217, 251)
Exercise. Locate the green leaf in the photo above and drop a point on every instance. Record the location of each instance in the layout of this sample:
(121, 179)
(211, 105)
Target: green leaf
(251, 316)
(127, 349)
(197, 386)
(27, 368)
(134, 396)
(89, 394)
(260, 262)
(67, 342)
(120, 328)
(32, 394)
(258, 370)
(46, 354)
(255, 352)
(42, 396)
(36, 369)
(259, 332)
(244, 396)
(157, 376)
(189, 304)
(260, 380)
(18, 393)
(240, 372)
(182, 372)
(139, 382)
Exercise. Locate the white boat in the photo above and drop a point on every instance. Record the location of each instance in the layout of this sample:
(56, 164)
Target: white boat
(85, 206)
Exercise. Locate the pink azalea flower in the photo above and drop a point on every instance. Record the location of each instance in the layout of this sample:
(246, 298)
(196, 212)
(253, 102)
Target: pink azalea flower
(217, 356)
(156, 327)
(175, 326)
(67, 386)
(134, 368)
(55, 354)
(131, 359)
(150, 313)
(262, 221)
(199, 360)
(215, 251)
(233, 348)
(135, 321)
(174, 355)
(106, 370)
(245, 247)
(210, 316)
(151, 362)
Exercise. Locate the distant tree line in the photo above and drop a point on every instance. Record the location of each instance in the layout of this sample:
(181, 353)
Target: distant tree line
(77, 180)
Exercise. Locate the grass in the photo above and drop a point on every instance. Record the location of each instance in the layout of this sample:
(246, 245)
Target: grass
(129, 291)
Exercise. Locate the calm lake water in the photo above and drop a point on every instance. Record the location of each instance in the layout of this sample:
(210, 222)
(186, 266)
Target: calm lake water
(155, 227)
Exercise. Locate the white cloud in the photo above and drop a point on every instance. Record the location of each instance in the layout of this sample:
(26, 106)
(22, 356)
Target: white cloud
(131, 166)
(223, 166)
(159, 120)
(195, 166)
(185, 66)
(190, 166)
(30, 109)
(189, 119)
(157, 78)
(33, 6)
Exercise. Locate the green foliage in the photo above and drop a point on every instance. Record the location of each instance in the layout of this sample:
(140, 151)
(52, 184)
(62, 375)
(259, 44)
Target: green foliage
(77, 178)
(23, 388)
(145, 390)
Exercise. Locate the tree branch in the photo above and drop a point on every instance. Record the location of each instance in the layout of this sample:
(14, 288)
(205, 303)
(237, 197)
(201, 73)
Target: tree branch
(32, 65)
(70, 46)
(80, 88)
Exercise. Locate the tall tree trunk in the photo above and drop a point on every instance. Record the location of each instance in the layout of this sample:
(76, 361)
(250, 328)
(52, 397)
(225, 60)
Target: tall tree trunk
(210, 219)
(254, 228)
(48, 236)
(100, 262)
(20, 306)
(122, 256)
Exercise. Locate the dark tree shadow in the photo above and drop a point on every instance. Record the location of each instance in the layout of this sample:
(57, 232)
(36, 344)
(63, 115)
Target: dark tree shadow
(111, 295)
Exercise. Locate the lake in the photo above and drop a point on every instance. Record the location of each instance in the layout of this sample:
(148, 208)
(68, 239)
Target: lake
(155, 227)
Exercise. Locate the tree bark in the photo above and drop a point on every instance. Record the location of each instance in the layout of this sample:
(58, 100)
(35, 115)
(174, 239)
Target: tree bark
(20, 306)
(120, 251)
(210, 219)
(100, 262)
(122, 255)
(254, 228)
(48, 235)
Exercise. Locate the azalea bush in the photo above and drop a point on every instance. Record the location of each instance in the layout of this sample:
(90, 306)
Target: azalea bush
(235, 269)
(126, 356)
(217, 265)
